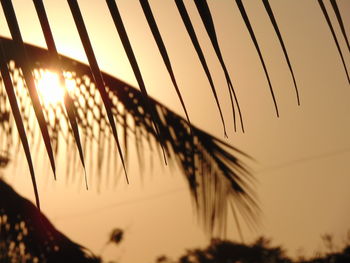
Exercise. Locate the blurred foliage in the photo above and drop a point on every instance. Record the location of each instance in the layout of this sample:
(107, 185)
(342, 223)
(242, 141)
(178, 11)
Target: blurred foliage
(217, 175)
(27, 235)
(224, 251)
(116, 236)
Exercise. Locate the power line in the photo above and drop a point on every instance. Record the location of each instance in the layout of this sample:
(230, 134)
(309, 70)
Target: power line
(304, 159)
(122, 203)
(176, 190)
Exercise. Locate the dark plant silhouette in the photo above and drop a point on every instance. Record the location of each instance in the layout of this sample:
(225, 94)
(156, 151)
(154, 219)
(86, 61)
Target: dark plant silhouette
(216, 177)
(224, 251)
(26, 235)
(116, 236)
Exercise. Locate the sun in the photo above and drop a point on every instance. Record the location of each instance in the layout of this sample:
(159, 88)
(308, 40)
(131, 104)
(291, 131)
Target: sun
(50, 90)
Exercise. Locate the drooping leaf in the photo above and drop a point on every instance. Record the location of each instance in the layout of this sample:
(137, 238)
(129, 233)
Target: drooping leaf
(158, 38)
(239, 228)
(118, 22)
(278, 33)
(79, 22)
(326, 16)
(204, 12)
(214, 170)
(69, 104)
(18, 118)
(26, 68)
(340, 21)
(252, 36)
(191, 32)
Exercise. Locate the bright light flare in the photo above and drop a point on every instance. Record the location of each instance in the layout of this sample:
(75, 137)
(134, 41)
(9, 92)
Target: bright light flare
(50, 90)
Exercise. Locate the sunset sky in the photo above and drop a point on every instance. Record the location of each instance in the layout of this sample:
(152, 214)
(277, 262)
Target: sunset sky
(302, 158)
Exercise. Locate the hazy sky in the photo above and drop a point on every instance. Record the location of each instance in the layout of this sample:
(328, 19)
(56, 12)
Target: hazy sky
(302, 166)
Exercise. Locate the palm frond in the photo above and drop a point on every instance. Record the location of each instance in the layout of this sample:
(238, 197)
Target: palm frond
(26, 65)
(68, 102)
(215, 174)
(73, 4)
(329, 23)
(118, 22)
(340, 21)
(205, 14)
(17, 115)
(278, 33)
(162, 49)
(191, 32)
(252, 35)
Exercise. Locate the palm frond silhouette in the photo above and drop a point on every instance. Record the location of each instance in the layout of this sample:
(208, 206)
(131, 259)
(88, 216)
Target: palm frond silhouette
(215, 175)
(102, 105)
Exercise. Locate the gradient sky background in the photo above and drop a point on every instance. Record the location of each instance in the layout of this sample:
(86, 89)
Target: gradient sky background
(302, 158)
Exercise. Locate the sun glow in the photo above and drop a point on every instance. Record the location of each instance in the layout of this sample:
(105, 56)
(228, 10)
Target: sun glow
(50, 90)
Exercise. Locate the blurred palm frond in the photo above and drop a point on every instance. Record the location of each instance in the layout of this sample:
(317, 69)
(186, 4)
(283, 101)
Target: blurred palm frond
(215, 174)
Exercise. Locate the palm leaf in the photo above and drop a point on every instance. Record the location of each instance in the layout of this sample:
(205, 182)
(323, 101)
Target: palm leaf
(329, 23)
(340, 21)
(216, 177)
(69, 104)
(252, 35)
(278, 33)
(191, 32)
(162, 49)
(204, 12)
(26, 68)
(215, 174)
(118, 22)
(17, 116)
(73, 4)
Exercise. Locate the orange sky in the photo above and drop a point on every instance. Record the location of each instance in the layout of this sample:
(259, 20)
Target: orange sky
(302, 158)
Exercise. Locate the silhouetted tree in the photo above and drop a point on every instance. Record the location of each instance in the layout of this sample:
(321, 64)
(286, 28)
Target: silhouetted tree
(27, 236)
(223, 251)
